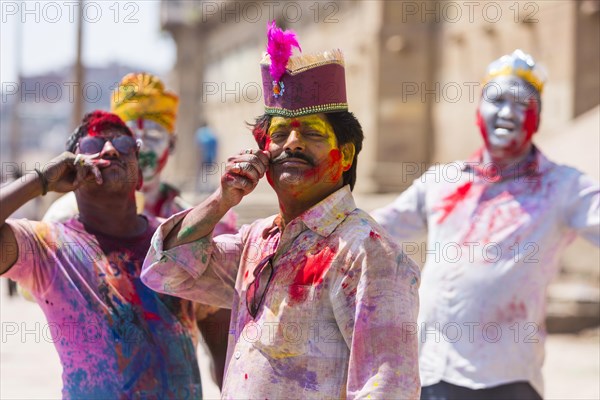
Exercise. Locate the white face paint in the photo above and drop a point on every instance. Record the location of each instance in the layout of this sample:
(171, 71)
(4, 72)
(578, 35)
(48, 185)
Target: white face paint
(508, 112)
(155, 147)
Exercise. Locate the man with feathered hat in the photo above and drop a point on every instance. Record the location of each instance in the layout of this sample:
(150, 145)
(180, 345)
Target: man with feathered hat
(494, 240)
(322, 300)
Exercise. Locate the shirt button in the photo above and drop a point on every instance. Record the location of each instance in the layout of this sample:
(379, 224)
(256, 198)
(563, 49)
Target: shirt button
(237, 355)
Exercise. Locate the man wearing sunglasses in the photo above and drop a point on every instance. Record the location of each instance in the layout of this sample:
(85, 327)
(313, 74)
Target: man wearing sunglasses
(115, 337)
(324, 304)
(150, 111)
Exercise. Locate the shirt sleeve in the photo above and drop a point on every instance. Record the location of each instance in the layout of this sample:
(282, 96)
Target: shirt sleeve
(204, 271)
(583, 208)
(376, 305)
(405, 218)
(36, 265)
(227, 224)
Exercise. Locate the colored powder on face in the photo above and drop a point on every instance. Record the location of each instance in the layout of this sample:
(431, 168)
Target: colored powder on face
(531, 119)
(101, 121)
(295, 123)
(162, 161)
(331, 171)
(482, 129)
(452, 200)
(312, 272)
(147, 160)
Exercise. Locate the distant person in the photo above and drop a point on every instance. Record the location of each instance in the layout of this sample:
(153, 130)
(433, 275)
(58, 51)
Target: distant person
(208, 146)
(150, 112)
(116, 338)
(495, 238)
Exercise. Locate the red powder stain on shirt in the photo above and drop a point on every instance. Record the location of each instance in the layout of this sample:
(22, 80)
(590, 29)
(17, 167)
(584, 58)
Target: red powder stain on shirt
(512, 313)
(246, 274)
(245, 376)
(452, 200)
(150, 316)
(374, 235)
(313, 271)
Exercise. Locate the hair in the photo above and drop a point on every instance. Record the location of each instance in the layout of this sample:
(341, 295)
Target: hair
(346, 127)
(96, 122)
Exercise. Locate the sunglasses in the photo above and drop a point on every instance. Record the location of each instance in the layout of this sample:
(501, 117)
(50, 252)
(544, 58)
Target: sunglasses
(255, 292)
(94, 144)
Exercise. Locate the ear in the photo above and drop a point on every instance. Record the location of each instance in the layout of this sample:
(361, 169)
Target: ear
(348, 151)
(140, 181)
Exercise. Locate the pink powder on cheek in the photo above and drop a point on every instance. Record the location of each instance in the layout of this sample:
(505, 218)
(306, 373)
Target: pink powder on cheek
(331, 170)
(162, 161)
(482, 129)
(531, 119)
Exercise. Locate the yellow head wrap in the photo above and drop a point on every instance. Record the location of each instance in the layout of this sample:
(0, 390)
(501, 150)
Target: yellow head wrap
(143, 96)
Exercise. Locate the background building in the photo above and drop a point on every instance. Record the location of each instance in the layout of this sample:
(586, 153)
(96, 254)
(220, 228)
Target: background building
(413, 71)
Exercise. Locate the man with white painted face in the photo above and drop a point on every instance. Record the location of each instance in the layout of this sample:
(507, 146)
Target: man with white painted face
(116, 338)
(150, 111)
(494, 240)
(321, 298)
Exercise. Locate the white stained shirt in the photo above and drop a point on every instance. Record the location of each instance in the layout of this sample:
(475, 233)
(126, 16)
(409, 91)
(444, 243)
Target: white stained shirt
(493, 247)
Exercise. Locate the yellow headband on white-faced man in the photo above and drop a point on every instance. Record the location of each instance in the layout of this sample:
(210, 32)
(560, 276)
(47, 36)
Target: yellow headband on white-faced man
(518, 64)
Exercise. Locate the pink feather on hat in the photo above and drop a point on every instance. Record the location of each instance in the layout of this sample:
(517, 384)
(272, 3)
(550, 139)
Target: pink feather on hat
(279, 48)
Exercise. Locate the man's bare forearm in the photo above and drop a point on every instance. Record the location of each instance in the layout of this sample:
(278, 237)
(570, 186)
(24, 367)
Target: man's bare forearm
(12, 197)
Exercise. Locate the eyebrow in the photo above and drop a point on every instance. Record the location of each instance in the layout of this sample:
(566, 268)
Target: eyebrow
(304, 124)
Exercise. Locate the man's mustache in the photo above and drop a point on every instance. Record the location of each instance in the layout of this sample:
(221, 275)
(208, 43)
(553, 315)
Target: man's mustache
(288, 154)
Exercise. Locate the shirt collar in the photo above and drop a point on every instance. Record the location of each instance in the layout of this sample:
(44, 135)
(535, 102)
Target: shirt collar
(534, 165)
(322, 218)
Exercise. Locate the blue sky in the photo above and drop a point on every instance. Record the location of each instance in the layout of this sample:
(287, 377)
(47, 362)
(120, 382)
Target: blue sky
(125, 31)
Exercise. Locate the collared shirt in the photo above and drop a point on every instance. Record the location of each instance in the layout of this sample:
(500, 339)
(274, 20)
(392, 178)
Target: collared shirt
(116, 338)
(493, 247)
(337, 319)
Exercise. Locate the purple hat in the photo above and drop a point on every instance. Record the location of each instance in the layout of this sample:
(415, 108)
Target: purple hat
(301, 85)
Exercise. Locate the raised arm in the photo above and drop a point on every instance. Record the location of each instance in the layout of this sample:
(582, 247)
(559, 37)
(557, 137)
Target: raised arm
(582, 210)
(242, 173)
(60, 175)
(183, 259)
(405, 218)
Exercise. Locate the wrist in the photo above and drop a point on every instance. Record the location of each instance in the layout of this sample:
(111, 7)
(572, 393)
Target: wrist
(43, 181)
(222, 202)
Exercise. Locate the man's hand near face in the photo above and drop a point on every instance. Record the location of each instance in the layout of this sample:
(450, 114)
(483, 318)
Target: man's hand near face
(242, 173)
(68, 171)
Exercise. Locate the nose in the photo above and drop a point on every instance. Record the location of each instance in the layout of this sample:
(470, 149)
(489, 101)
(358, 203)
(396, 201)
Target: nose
(506, 110)
(294, 142)
(109, 150)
